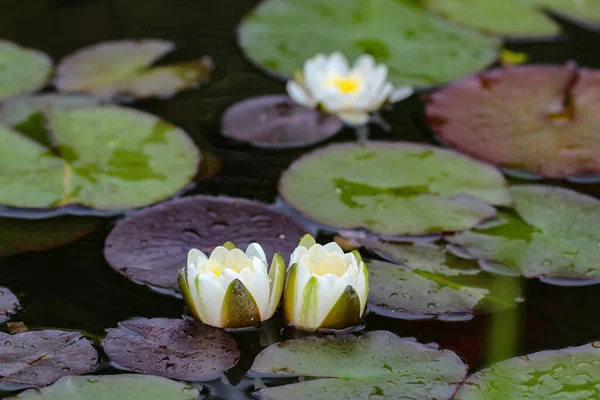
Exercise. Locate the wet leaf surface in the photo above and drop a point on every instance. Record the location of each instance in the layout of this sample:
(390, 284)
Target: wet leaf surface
(571, 373)
(376, 363)
(541, 119)
(9, 303)
(553, 234)
(23, 70)
(112, 387)
(281, 34)
(39, 358)
(393, 188)
(277, 122)
(107, 158)
(172, 348)
(150, 246)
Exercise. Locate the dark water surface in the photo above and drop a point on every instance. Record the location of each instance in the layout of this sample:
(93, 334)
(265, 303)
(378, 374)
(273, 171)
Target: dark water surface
(72, 287)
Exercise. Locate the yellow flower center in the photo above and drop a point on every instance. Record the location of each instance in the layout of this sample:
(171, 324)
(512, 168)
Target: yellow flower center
(346, 85)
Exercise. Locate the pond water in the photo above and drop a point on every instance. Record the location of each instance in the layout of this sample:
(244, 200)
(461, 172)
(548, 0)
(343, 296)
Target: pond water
(72, 287)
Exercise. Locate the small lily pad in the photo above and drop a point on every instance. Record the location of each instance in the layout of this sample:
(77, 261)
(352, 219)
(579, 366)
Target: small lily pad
(173, 348)
(20, 235)
(376, 363)
(570, 373)
(112, 387)
(553, 234)
(9, 304)
(541, 119)
(512, 17)
(393, 188)
(150, 246)
(277, 122)
(39, 358)
(107, 158)
(281, 34)
(23, 70)
(121, 70)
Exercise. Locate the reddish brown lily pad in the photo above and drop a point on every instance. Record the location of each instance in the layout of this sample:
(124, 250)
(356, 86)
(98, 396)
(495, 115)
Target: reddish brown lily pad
(277, 122)
(539, 118)
(9, 303)
(150, 246)
(172, 348)
(40, 358)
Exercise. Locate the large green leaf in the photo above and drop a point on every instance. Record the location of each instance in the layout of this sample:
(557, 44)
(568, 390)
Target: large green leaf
(419, 49)
(22, 70)
(376, 363)
(108, 158)
(554, 234)
(512, 17)
(572, 373)
(393, 188)
(112, 387)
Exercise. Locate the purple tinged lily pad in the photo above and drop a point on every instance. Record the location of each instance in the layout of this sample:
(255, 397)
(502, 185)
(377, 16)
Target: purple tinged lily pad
(172, 348)
(277, 122)
(150, 246)
(40, 358)
(9, 303)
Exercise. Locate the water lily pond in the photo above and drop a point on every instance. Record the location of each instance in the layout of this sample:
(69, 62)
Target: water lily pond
(299, 199)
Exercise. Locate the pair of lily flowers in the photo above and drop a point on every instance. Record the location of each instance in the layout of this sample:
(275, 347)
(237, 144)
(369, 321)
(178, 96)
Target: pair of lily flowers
(325, 287)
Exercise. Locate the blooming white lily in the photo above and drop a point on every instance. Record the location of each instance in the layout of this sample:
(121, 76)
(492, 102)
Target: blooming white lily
(325, 288)
(351, 94)
(232, 289)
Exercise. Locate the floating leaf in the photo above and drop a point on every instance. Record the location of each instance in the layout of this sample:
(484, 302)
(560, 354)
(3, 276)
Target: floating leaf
(112, 387)
(107, 158)
(570, 373)
(376, 363)
(281, 34)
(39, 358)
(277, 122)
(23, 70)
(20, 235)
(393, 188)
(538, 118)
(150, 246)
(172, 348)
(9, 303)
(122, 69)
(512, 17)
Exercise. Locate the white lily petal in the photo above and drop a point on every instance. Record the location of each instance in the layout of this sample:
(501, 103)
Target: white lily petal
(227, 276)
(337, 65)
(212, 293)
(302, 276)
(330, 289)
(350, 259)
(256, 250)
(316, 254)
(299, 95)
(297, 254)
(257, 283)
(332, 100)
(333, 247)
(381, 97)
(400, 93)
(194, 255)
(363, 66)
(219, 254)
(314, 75)
(354, 118)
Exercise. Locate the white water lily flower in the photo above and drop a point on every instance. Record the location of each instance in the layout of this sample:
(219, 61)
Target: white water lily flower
(349, 93)
(232, 289)
(326, 288)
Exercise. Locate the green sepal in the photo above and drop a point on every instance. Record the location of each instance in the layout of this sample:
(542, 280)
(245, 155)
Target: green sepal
(185, 292)
(307, 241)
(276, 279)
(289, 294)
(310, 305)
(239, 307)
(229, 245)
(357, 255)
(345, 312)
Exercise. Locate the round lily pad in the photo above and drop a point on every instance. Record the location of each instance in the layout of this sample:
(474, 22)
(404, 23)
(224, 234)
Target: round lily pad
(121, 70)
(112, 387)
(150, 246)
(551, 234)
(393, 188)
(512, 17)
(39, 358)
(540, 119)
(23, 70)
(281, 34)
(107, 158)
(277, 122)
(9, 303)
(570, 373)
(359, 367)
(19, 235)
(172, 348)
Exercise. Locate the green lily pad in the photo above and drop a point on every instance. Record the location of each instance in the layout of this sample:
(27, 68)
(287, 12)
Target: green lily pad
(121, 70)
(393, 188)
(23, 70)
(112, 387)
(553, 234)
(9, 304)
(571, 373)
(376, 363)
(107, 158)
(512, 17)
(281, 34)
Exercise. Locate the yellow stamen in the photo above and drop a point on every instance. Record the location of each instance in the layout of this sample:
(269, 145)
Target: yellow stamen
(346, 85)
